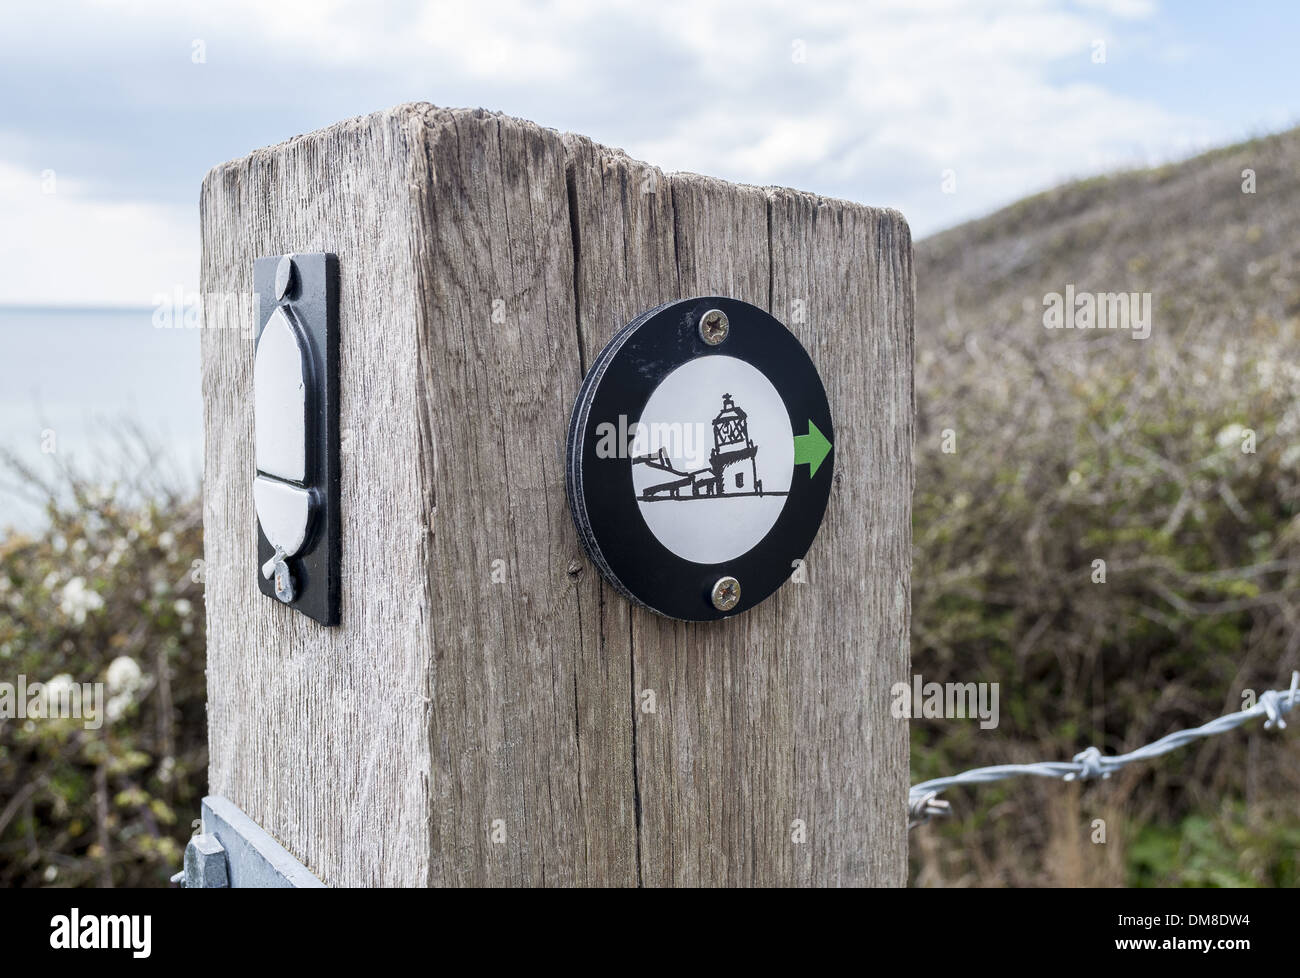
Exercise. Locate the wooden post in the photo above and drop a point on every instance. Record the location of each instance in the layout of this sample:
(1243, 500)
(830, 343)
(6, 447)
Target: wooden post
(484, 261)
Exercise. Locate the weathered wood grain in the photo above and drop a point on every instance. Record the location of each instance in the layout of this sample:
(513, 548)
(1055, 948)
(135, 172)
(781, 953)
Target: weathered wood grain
(530, 726)
(482, 671)
(781, 714)
(322, 735)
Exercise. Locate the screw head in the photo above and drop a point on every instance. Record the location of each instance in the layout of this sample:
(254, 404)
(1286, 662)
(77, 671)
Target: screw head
(726, 593)
(714, 327)
(284, 274)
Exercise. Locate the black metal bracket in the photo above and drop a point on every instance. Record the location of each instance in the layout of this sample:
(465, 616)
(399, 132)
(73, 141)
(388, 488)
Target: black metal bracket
(306, 288)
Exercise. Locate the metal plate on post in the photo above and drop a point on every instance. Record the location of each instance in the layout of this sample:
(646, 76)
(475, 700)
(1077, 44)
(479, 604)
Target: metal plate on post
(700, 458)
(296, 407)
(253, 857)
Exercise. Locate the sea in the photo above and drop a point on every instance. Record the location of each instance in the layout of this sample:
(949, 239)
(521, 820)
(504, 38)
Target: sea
(73, 381)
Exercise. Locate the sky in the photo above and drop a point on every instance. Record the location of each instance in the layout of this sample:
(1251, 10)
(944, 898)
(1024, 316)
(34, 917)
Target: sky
(112, 112)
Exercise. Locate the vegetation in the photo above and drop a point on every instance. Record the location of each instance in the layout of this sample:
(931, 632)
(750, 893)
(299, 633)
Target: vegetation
(1176, 461)
(110, 594)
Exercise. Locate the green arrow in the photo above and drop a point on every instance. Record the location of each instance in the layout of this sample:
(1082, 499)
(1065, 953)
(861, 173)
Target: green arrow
(811, 448)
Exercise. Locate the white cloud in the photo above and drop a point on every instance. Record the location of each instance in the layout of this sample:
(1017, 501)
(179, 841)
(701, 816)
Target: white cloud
(61, 247)
(873, 103)
(1122, 8)
(899, 94)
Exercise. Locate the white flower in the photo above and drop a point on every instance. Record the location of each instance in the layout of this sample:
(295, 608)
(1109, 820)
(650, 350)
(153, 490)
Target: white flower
(1229, 436)
(167, 539)
(116, 707)
(120, 547)
(183, 607)
(123, 674)
(58, 689)
(78, 599)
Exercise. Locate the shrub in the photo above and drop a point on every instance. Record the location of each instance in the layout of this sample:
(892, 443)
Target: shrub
(110, 593)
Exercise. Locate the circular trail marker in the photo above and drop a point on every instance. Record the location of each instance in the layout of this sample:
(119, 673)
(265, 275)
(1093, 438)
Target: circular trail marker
(700, 457)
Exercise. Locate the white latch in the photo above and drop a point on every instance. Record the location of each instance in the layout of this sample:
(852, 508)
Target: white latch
(280, 383)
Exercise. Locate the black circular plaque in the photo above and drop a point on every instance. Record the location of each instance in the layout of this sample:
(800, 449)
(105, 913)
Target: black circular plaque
(700, 449)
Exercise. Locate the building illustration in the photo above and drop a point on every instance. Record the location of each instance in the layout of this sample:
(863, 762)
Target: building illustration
(732, 469)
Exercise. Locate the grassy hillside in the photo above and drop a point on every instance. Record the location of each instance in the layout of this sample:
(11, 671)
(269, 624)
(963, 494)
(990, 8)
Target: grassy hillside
(1174, 459)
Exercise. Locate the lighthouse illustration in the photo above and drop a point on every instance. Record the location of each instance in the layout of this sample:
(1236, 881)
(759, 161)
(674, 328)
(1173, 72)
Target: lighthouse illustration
(732, 469)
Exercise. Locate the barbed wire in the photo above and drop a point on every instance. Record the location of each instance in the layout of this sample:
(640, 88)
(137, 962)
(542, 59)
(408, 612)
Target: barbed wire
(923, 799)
